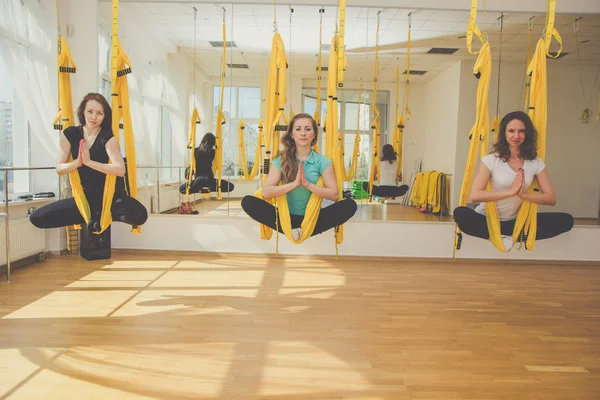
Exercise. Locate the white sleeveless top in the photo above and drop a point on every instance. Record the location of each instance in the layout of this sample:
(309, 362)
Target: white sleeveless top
(502, 179)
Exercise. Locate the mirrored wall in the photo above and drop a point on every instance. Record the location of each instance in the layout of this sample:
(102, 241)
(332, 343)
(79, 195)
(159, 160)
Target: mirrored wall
(176, 50)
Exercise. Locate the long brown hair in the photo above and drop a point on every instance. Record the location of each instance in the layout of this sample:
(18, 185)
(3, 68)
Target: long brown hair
(388, 153)
(207, 143)
(107, 121)
(527, 149)
(289, 161)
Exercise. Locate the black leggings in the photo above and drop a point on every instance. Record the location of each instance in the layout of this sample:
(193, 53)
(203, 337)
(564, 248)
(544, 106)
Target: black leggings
(329, 217)
(65, 213)
(386, 191)
(549, 224)
(205, 181)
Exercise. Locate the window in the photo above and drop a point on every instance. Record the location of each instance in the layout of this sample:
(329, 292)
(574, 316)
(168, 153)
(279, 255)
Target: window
(241, 102)
(249, 102)
(348, 107)
(14, 137)
(229, 99)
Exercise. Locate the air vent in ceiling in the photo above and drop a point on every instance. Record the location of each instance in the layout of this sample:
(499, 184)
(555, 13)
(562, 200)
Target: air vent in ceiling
(416, 72)
(442, 50)
(238, 66)
(220, 43)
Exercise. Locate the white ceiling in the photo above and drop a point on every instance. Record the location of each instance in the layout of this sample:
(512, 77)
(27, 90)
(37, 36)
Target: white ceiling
(251, 28)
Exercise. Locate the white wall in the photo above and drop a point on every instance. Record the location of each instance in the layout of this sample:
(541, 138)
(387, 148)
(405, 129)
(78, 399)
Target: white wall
(441, 114)
(361, 238)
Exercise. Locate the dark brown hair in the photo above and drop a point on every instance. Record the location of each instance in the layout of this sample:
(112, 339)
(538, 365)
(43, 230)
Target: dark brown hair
(527, 149)
(388, 153)
(107, 121)
(289, 161)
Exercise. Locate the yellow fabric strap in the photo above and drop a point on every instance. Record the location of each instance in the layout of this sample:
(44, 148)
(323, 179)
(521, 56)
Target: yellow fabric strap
(308, 223)
(317, 115)
(341, 53)
(485, 141)
(217, 166)
(349, 175)
(376, 155)
(276, 96)
(66, 118)
(191, 145)
(482, 68)
(334, 143)
(527, 76)
(376, 125)
(121, 66)
(398, 132)
(424, 188)
(416, 190)
(406, 109)
(242, 151)
(433, 190)
(441, 193)
(526, 222)
(550, 31)
(473, 29)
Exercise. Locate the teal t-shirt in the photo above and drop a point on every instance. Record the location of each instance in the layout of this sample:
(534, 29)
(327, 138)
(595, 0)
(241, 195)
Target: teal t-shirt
(313, 169)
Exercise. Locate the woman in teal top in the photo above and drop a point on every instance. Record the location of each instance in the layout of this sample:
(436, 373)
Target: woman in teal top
(299, 167)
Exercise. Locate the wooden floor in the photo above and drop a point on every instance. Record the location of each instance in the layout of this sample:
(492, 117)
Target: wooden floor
(366, 212)
(172, 326)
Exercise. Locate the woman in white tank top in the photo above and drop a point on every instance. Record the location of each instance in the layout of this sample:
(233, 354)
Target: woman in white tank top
(511, 167)
(387, 181)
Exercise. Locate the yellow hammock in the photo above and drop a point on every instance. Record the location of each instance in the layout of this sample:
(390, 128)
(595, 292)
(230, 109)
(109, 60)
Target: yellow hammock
(308, 223)
(376, 125)
(217, 166)
(121, 66)
(399, 133)
(191, 145)
(483, 69)
(334, 144)
(317, 115)
(349, 175)
(276, 98)
(65, 119)
(242, 160)
(526, 223)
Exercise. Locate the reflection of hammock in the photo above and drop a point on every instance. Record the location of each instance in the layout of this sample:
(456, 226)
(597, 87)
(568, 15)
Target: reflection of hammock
(431, 192)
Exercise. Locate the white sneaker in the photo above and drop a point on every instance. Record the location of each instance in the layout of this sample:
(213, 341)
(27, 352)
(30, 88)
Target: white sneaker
(508, 242)
(296, 233)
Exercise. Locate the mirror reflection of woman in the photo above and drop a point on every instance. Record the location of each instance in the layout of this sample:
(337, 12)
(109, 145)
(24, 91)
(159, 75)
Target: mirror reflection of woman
(204, 178)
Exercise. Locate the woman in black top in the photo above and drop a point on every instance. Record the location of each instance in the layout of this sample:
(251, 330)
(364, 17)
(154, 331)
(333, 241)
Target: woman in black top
(205, 155)
(91, 145)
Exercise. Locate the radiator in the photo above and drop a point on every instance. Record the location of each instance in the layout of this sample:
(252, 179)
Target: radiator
(25, 240)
